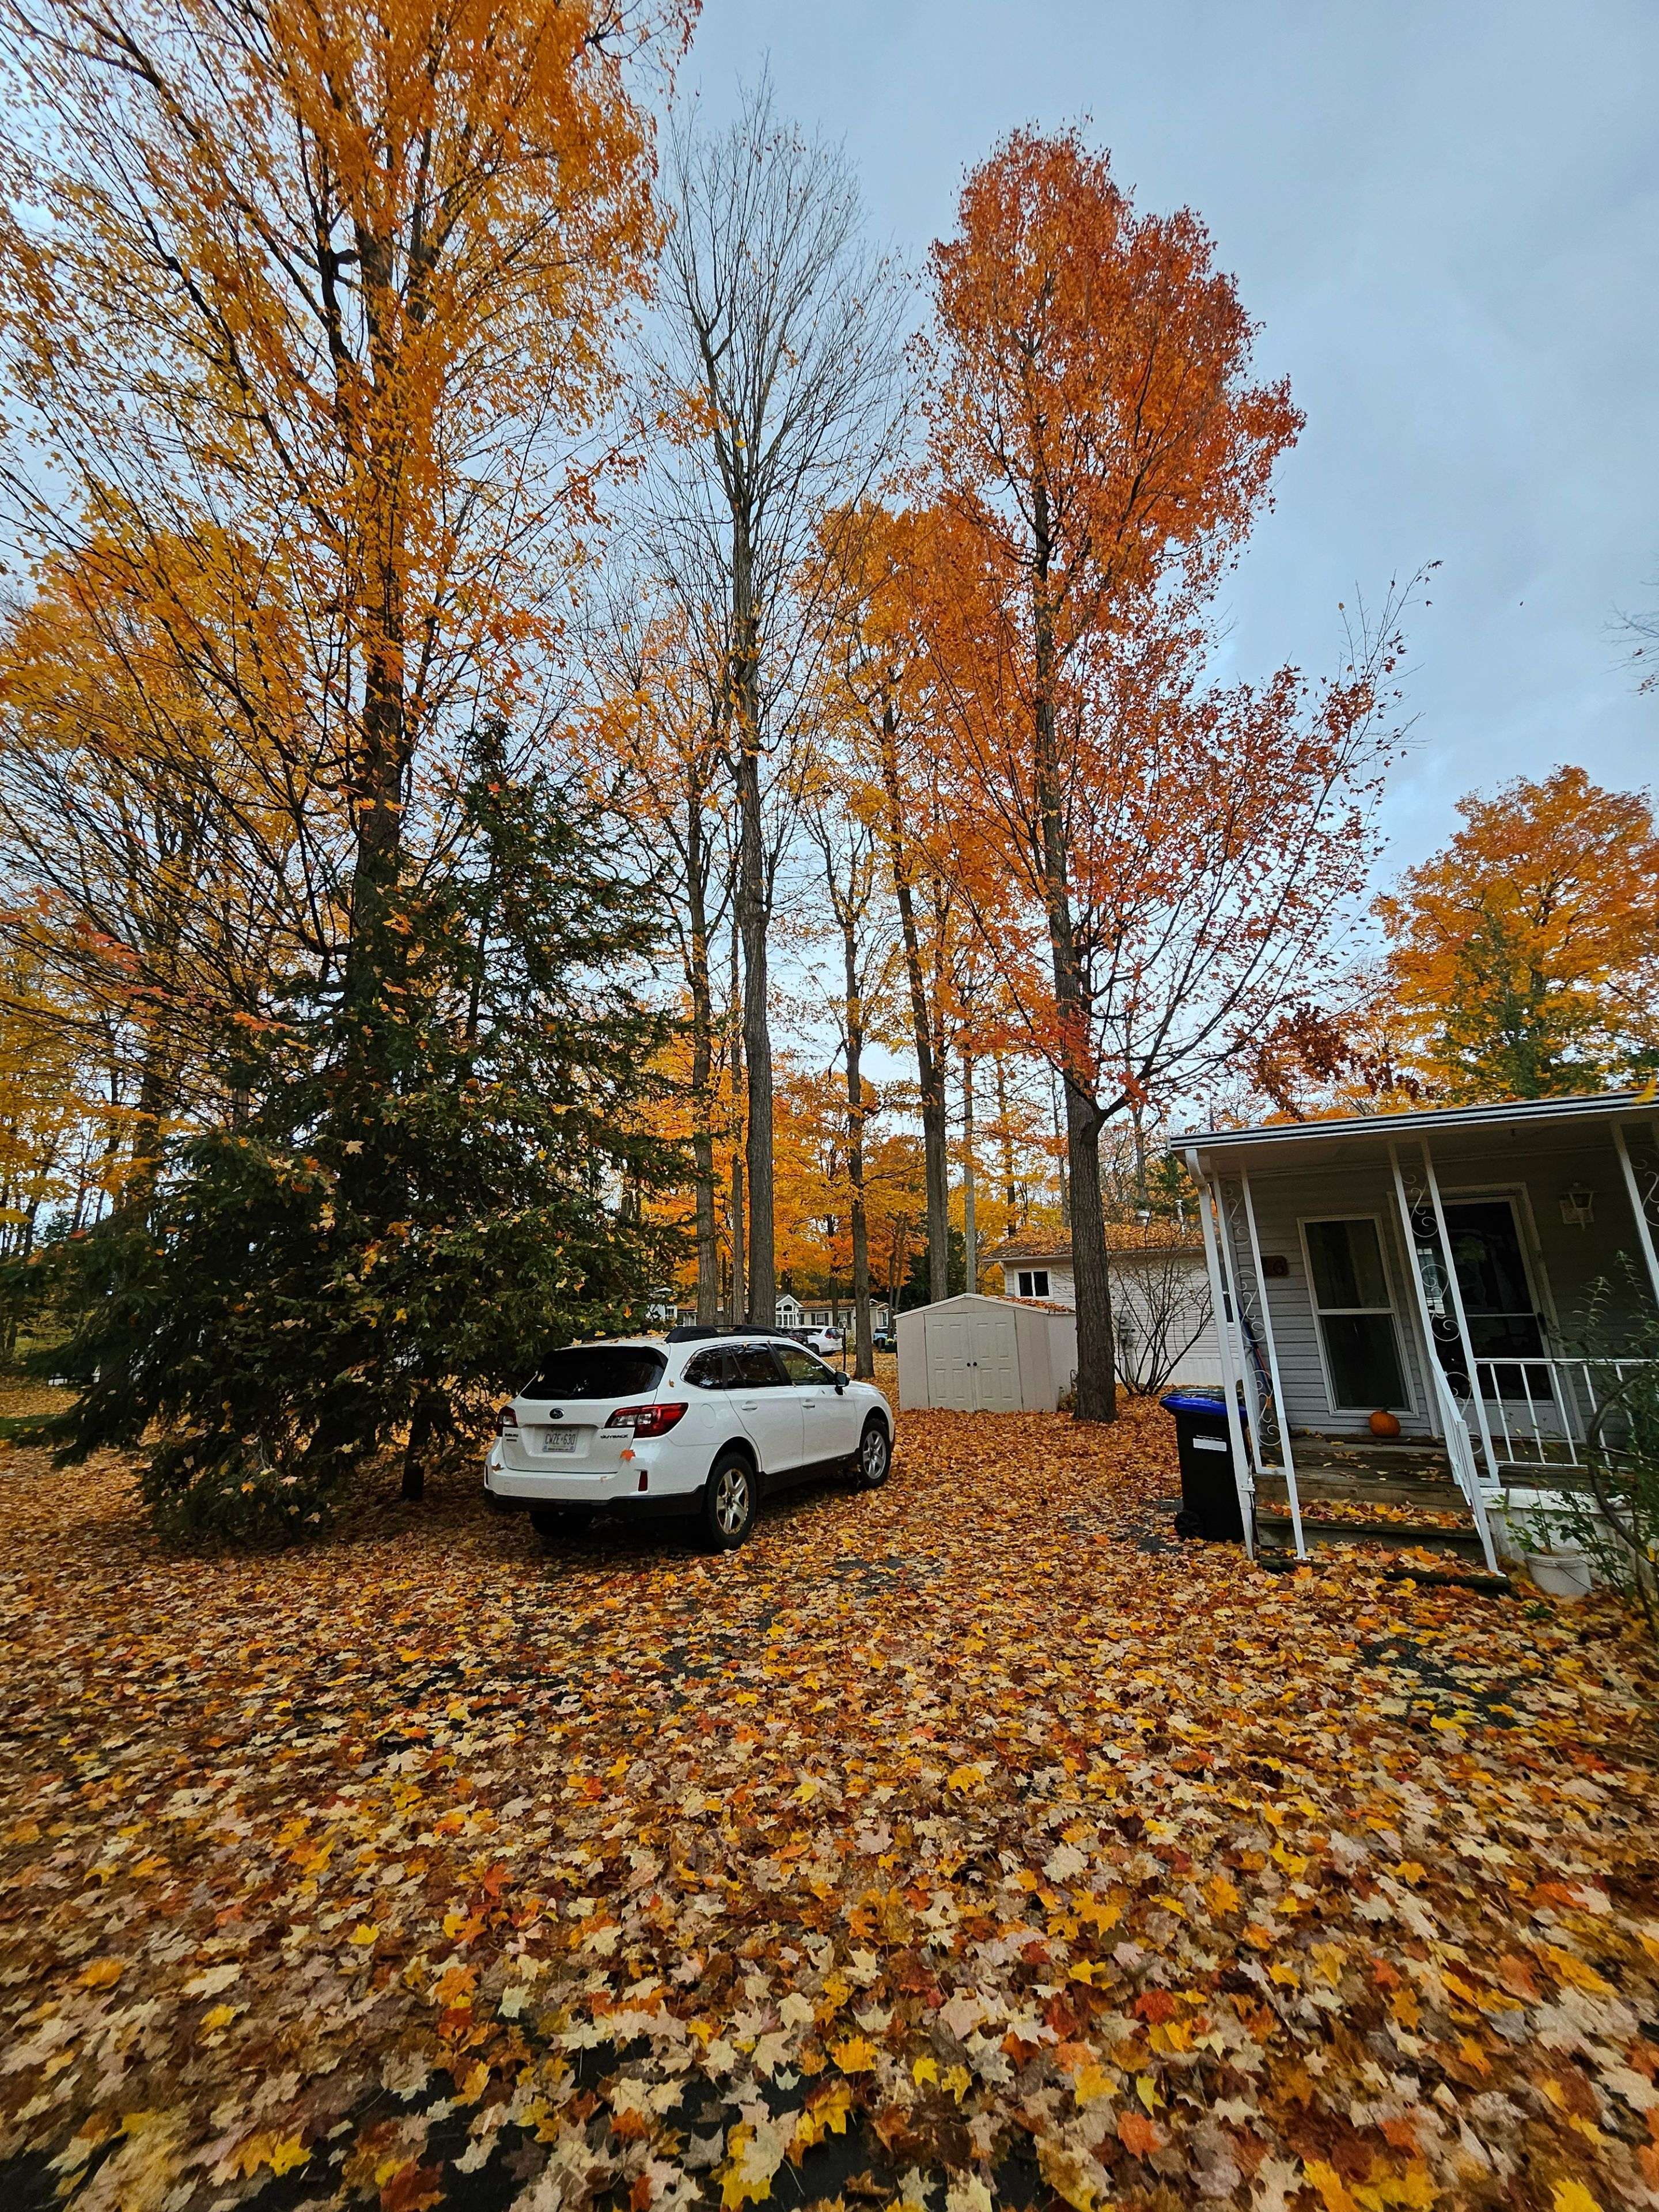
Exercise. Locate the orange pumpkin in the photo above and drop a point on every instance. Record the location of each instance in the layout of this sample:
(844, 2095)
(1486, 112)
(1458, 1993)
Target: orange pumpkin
(1383, 1424)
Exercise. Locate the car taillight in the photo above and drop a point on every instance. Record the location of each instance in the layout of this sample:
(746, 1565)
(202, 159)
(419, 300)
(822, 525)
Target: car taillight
(646, 1420)
(505, 1419)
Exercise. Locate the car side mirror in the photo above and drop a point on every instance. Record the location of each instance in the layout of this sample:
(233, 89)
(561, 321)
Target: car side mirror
(841, 1386)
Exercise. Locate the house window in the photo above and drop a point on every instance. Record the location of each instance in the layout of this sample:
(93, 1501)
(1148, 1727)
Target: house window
(1355, 1313)
(1033, 1282)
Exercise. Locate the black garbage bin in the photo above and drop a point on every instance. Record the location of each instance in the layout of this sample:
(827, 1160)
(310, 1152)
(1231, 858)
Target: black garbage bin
(1209, 1494)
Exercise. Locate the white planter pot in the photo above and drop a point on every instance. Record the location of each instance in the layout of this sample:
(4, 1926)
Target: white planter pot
(1562, 1574)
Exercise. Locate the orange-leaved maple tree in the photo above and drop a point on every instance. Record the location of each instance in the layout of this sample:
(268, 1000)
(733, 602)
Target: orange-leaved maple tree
(1151, 859)
(1523, 958)
(329, 293)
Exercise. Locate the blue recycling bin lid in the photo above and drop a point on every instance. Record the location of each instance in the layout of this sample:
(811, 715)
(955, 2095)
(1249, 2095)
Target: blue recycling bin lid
(1194, 1402)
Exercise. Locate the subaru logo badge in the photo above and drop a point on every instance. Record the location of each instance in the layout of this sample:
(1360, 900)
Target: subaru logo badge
(555, 1413)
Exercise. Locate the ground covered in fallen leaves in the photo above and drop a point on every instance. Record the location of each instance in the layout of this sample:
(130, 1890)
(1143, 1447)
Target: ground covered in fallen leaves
(967, 1844)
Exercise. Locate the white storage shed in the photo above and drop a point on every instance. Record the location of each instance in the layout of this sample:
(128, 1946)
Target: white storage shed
(986, 1355)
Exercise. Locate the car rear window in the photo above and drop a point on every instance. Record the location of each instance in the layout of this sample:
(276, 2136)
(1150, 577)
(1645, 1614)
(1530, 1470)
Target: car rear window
(597, 1371)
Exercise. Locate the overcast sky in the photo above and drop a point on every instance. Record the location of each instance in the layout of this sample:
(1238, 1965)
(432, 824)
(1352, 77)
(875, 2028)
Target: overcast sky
(1446, 219)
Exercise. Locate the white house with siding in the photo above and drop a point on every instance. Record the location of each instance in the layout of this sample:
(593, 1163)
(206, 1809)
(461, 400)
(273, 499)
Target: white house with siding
(1162, 1310)
(1440, 1266)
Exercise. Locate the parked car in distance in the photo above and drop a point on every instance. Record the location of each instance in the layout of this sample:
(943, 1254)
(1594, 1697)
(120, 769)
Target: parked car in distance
(828, 1341)
(704, 1424)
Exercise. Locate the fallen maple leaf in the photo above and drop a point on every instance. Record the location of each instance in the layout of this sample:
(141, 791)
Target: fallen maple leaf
(1138, 2135)
(856, 2055)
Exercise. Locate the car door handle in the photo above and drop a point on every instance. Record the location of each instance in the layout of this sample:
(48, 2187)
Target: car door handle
(748, 1405)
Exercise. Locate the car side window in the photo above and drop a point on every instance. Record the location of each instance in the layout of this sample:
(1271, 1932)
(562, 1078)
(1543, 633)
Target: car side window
(707, 1371)
(801, 1367)
(753, 1368)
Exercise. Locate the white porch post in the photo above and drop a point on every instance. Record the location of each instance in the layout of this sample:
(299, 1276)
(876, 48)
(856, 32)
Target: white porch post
(1219, 1302)
(1251, 1381)
(1644, 1227)
(1279, 1407)
(1453, 1286)
(1425, 1318)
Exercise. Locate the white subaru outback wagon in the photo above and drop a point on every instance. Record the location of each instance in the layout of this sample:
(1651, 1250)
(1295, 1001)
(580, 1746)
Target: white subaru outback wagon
(705, 1421)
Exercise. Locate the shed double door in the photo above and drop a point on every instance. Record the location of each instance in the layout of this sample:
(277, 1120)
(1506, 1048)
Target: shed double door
(972, 1362)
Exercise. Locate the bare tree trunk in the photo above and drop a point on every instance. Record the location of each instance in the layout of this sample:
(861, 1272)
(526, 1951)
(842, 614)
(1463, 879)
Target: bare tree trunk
(702, 1060)
(969, 1224)
(753, 910)
(740, 1300)
(1009, 1188)
(864, 1349)
(1096, 1376)
(930, 1069)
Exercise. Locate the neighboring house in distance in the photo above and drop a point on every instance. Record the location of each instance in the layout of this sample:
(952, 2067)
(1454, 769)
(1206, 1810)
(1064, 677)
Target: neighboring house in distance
(1161, 1308)
(789, 1313)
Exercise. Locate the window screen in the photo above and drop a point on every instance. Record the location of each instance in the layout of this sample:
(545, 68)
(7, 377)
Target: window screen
(597, 1371)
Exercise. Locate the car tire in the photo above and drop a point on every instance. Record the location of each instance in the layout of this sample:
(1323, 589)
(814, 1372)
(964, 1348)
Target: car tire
(875, 1461)
(552, 1521)
(728, 1501)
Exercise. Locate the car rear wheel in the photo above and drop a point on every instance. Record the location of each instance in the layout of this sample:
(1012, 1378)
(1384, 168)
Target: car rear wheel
(875, 1454)
(728, 1502)
(553, 1522)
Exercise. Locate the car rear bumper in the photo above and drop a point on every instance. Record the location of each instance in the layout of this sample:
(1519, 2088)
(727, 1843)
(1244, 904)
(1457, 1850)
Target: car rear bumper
(648, 1475)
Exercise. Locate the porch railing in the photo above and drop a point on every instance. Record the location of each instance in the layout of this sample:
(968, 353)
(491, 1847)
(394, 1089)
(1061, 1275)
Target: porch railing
(1465, 1472)
(1538, 1412)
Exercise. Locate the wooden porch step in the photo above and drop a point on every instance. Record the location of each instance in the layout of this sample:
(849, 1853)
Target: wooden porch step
(1357, 1485)
(1277, 1532)
(1374, 1453)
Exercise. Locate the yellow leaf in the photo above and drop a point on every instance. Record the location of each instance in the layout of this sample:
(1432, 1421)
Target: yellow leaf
(1063, 2171)
(1090, 2084)
(857, 2055)
(1404, 2003)
(1286, 1975)
(477, 2080)
(1326, 2180)
(827, 2114)
(1572, 2196)
(364, 1933)
(964, 1779)
(221, 2017)
(1222, 1894)
(924, 2070)
(1146, 2090)
(1574, 1970)
(956, 2080)
(102, 1973)
(285, 2155)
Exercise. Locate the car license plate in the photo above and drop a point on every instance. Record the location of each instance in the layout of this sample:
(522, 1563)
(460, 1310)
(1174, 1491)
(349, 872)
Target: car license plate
(558, 1440)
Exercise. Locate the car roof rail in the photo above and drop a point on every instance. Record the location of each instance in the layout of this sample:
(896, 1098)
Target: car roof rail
(702, 1332)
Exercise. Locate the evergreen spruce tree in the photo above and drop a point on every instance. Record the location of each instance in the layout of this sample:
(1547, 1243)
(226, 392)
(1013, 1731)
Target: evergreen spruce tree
(324, 1273)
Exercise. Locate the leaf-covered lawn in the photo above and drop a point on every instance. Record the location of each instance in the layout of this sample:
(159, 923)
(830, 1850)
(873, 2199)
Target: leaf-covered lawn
(960, 1844)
